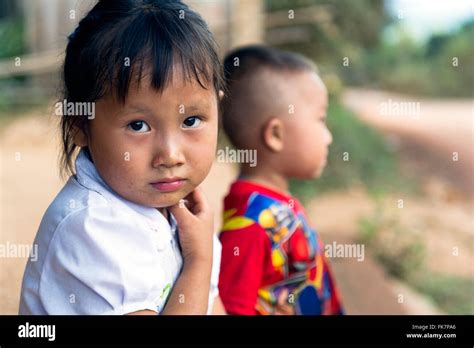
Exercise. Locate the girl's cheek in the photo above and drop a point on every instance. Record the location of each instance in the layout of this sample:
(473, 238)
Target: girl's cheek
(201, 150)
(203, 157)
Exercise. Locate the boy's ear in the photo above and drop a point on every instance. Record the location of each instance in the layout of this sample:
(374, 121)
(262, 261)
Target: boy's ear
(273, 131)
(80, 138)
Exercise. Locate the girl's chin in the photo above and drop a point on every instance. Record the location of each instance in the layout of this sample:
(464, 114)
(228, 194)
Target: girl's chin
(168, 199)
(166, 204)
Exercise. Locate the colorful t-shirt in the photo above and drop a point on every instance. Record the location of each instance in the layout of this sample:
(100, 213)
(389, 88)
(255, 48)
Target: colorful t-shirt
(268, 246)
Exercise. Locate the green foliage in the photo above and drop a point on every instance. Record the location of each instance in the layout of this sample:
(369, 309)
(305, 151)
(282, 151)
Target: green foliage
(402, 253)
(12, 45)
(353, 28)
(455, 80)
(452, 294)
(358, 30)
(11, 37)
(443, 67)
(356, 22)
(396, 247)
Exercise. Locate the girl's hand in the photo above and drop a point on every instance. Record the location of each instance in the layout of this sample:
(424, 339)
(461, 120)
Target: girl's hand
(195, 227)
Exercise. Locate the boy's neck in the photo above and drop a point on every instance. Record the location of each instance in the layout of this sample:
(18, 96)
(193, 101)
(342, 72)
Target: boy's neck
(269, 178)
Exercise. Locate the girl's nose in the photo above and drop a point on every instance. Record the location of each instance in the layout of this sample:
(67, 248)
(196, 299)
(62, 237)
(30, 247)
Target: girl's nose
(168, 155)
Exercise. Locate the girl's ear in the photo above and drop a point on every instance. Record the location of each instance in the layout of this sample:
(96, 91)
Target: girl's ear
(273, 131)
(80, 138)
(221, 94)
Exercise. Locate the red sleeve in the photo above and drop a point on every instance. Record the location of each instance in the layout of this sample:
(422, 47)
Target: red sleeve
(244, 252)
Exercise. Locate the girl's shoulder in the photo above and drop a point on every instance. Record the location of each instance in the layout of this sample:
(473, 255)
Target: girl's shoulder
(72, 198)
(84, 212)
(85, 225)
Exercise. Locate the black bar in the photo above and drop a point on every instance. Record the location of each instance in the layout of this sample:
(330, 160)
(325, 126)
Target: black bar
(192, 330)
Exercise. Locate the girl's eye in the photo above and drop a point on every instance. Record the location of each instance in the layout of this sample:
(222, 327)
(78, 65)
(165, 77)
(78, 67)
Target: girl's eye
(139, 126)
(192, 122)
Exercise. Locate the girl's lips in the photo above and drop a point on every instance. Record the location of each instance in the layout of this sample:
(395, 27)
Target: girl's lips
(168, 185)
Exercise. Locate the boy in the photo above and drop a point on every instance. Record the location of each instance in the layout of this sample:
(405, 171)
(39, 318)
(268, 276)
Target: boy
(276, 104)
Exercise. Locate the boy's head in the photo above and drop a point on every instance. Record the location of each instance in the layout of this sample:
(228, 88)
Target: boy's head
(276, 103)
(152, 70)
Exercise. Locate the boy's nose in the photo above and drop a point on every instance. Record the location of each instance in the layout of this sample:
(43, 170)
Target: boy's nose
(329, 137)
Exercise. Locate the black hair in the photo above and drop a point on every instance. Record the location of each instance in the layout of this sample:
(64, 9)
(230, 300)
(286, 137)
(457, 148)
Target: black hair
(121, 40)
(246, 61)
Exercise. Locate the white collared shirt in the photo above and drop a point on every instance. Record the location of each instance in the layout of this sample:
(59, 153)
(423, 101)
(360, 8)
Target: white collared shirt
(99, 253)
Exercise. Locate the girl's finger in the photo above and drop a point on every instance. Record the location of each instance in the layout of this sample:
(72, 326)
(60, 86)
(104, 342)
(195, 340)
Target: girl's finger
(181, 212)
(199, 200)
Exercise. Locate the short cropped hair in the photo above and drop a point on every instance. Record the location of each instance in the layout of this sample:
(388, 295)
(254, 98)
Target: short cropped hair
(244, 62)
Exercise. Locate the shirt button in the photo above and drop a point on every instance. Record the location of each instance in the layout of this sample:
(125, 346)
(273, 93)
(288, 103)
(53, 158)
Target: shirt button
(160, 244)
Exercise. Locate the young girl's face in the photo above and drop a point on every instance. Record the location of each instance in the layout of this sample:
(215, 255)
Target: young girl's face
(158, 147)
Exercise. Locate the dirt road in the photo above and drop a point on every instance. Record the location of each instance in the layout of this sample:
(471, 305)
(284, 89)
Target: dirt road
(437, 135)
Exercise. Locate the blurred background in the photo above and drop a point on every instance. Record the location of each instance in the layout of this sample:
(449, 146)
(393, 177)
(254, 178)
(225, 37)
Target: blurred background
(399, 179)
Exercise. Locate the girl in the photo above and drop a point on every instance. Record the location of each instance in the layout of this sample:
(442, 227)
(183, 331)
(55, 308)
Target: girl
(109, 242)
